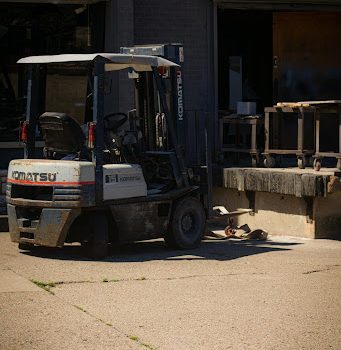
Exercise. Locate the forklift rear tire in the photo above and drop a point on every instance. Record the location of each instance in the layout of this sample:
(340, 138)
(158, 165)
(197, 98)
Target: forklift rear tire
(25, 246)
(187, 225)
(97, 244)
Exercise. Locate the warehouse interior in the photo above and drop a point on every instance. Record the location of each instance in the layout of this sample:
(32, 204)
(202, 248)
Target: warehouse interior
(45, 28)
(268, 55)
(278, 55)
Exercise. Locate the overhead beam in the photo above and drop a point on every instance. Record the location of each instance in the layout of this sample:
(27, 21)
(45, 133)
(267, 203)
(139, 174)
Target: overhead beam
(296, 5)
(56, 2)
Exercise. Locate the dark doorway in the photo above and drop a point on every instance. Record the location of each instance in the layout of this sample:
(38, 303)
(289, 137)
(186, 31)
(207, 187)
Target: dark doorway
(38, 29)
(245, 57)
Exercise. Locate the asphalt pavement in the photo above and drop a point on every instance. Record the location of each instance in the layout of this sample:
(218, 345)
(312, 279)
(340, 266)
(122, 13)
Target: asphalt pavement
(284, 293)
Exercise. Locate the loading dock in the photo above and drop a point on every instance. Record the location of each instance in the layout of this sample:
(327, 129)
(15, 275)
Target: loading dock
(283, 55)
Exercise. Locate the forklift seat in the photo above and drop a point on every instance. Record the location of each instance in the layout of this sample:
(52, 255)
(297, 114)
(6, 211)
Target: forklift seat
(62, 134)
(112, 123)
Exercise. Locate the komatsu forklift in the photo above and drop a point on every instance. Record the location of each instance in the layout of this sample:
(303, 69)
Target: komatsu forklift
(119, 177)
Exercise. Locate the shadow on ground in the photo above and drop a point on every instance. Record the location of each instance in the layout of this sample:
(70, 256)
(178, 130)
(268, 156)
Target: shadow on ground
(156, 250)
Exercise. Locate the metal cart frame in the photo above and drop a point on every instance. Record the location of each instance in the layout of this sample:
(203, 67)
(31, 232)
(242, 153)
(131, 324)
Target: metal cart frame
(326, 107)
(254, 121)
(273, 135)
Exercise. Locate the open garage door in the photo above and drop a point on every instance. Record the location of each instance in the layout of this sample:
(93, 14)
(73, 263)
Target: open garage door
(273, 56)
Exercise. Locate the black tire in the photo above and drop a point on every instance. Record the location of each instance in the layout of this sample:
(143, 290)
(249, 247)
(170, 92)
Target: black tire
(25, 246)
(97, 245)
(187, 225)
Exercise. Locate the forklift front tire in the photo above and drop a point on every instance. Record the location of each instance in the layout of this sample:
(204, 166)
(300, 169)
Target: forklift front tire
(97, 244)
(187, 226)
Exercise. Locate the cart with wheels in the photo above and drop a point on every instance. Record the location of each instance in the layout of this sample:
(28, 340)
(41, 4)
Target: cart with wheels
(279, 136)
(247, 140)
(325, 110)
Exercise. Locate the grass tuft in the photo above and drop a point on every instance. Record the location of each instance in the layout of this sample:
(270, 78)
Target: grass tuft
(134, 338)
(43, 285)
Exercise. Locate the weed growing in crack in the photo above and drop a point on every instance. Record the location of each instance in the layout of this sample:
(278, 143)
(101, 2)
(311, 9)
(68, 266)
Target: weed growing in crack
(91, 315)
(134, 338)
(43, 285)
(137, 339)
(112, 280)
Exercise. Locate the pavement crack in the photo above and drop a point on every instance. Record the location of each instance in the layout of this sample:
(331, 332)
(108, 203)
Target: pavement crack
(43, 285)
(131, 337)
(327, 268)
(198, 276)
(138, 279)
(59, 283)
(48, 285)
(95, 317)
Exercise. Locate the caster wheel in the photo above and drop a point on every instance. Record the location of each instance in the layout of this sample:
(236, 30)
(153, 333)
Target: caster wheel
(254, 162)
(301, 162)
(338, 164)
(269, 162)
(317, 164)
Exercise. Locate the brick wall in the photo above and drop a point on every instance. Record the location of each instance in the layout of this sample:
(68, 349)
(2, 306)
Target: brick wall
(187, 22)
(182, 21)
(119, 32)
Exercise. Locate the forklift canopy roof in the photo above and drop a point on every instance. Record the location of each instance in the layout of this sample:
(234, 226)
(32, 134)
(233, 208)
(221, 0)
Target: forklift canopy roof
(115, 61)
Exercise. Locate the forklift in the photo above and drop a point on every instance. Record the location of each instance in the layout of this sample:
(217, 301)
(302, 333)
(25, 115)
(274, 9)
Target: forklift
(120, 177)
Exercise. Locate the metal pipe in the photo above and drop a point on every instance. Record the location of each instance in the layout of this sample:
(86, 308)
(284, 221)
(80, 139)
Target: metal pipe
(208, 137)
(31, 110)
(98, 116)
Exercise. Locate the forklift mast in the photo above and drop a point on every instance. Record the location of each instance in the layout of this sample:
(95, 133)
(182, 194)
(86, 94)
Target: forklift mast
(174, 90)
(175, 100)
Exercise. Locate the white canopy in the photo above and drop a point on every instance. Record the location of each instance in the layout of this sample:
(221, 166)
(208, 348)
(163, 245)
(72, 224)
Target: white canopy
(115, 61)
